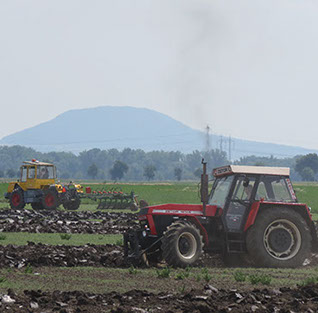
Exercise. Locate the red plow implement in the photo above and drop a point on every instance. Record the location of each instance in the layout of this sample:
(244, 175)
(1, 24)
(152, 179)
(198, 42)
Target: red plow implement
(112, 199)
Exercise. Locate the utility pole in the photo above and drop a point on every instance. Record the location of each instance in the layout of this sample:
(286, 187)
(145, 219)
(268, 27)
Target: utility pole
(230, 146)
(207, 142)
(221, 143)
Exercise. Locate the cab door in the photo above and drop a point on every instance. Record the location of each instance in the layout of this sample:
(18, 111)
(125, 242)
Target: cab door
(239, 202)
(31, 177)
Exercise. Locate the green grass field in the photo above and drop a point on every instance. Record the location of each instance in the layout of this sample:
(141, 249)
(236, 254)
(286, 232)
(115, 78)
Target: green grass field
(21, 239)
(184, 192)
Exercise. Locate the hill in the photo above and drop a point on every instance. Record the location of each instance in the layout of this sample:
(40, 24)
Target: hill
(110, 127)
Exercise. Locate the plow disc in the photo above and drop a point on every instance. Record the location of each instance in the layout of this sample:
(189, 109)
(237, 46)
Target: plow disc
(112, 199)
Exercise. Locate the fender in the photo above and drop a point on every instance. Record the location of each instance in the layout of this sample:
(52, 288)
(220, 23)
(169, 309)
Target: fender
(256, 206)
(191, 218)
(203, 231)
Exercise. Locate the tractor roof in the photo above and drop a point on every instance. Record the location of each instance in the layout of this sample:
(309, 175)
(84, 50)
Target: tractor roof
(243, 169)
(35, 162)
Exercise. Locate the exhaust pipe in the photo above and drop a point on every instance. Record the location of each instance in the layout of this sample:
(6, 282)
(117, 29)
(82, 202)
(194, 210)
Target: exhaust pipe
(204, 187)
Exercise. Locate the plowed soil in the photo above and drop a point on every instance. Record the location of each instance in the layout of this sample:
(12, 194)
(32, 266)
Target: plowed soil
(302, 299)
(55, 221)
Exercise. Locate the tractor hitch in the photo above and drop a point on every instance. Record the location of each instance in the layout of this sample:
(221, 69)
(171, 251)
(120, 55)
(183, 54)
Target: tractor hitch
(136, 247)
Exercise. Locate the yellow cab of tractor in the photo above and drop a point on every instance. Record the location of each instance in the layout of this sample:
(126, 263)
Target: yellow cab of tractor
(37, 186)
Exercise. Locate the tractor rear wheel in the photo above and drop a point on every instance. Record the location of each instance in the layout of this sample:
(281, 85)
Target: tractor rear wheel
(50, 199)
(16, 199)
(72, 204)
(181, 244)
(280, 237)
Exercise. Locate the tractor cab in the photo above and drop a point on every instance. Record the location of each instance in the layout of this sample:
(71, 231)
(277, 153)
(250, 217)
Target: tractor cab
(237, 189)
(35, 174)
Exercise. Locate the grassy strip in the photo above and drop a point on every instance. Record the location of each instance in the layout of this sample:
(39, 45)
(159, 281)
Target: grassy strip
(21, 239)
(102, 280)
(157, 193)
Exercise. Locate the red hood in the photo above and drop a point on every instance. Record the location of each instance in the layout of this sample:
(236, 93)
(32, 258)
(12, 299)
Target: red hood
(177, 206)
(181, 209)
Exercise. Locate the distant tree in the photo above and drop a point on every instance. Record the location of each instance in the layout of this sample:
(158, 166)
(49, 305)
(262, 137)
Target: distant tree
(11, 173)
(307, 174)
(92, 171)
(118, 170)
(197, 173)
(65, 175)
(309, 161)
(259, 164)
(149, 171)
(178, 173)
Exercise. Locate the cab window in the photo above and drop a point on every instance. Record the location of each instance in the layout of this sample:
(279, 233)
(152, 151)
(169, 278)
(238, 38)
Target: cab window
(24, 174)
(274, 188)
(31, 172)
(243, 188)
(45, 172)
(220, 190)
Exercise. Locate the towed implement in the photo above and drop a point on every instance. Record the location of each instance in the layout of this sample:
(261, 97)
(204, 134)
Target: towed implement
(250, 215)
(112, 199)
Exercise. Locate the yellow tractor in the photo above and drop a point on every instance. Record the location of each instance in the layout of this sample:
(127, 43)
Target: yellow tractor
(37, 186)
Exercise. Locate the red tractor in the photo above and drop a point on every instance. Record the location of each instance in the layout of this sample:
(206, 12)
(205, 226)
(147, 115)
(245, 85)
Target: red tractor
(251, 213)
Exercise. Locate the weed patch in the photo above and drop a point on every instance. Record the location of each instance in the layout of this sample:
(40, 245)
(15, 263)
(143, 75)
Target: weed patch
(28, 269)
(239, 276)
(132, 271)
(65, 236)
(164, 273)
(260, 278)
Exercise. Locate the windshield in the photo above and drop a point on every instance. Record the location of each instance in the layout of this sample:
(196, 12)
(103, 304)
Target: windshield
(220, 190)
(45, 172)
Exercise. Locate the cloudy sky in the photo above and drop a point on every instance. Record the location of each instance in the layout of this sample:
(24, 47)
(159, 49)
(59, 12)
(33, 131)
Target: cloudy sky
(248, 68)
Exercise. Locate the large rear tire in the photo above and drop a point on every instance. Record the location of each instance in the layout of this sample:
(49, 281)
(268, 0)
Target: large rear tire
(72, 205)
(71, 200)
(50, 199)
(17, 199)
(181, 244)
(280, 237)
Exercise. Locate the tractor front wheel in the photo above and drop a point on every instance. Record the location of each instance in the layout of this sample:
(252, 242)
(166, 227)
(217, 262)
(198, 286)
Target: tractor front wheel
(16, 199)
(181, 244)
(279, 238)
(50, 200)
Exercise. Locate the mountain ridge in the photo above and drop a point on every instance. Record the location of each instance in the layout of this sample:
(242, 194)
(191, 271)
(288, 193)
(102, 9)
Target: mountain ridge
(108, 127)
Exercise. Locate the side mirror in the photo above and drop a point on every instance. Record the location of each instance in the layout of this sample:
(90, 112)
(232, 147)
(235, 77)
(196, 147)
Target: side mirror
(246, 182)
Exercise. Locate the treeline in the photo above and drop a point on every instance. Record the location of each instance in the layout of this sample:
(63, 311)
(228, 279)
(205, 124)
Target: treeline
(138, 165)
